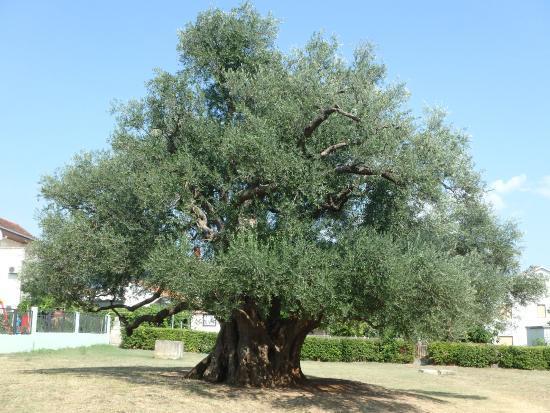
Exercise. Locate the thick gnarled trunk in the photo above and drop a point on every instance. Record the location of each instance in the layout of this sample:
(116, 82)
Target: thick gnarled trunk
(250, 351)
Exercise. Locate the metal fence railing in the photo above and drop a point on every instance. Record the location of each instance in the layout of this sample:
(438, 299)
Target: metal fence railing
(55, 322)
(13, 321)
(92, 323)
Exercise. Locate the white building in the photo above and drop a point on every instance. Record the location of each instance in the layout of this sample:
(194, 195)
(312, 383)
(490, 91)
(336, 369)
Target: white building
(202, 321)
(531, 322)
(13, 242)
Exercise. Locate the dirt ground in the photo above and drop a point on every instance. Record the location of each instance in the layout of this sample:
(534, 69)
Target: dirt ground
(106, 379)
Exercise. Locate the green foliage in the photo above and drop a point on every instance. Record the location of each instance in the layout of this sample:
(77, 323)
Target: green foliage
(485, 355)
(194, 341)
(540, 342)
(44, 303)
(481, 334)
(527, 287)
(347, 329)
(235, 154)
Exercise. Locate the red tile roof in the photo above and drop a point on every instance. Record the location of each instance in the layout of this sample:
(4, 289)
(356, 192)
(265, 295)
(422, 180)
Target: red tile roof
(12, 227)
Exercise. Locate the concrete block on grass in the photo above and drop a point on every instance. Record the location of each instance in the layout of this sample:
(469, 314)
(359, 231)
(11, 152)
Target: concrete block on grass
(167, 349)
(437, 372)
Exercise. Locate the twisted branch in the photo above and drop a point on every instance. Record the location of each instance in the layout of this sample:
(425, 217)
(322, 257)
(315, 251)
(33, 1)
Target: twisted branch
(366, 171)
(315, 123)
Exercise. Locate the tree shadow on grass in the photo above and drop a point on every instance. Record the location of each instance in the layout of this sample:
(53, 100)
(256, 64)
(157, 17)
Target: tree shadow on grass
(331, 395)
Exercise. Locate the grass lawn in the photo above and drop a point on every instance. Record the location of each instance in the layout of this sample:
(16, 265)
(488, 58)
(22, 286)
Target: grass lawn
(107, 379)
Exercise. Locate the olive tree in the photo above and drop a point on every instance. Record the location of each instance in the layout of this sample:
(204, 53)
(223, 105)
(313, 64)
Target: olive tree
(277, 191)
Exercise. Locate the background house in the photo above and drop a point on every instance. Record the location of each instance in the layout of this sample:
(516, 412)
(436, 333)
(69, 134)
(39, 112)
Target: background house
(202, 321)
(531, 322)
(13, 241)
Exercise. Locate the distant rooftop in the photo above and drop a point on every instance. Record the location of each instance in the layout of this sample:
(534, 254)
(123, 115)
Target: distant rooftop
(14, 231)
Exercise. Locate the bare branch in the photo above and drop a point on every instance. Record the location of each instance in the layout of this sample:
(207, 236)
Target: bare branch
(333, 148)
(134, 307)
(347, 114)
(154, 318)
(365, 170)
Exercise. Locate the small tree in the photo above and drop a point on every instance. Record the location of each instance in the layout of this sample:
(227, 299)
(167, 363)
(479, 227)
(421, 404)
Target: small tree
(276, 191)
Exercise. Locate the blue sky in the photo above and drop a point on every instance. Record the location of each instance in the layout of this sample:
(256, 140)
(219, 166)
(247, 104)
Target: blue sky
(487, 62)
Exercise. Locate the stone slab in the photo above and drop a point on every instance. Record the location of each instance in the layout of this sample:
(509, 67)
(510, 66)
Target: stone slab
(437, 372)
(167, 349)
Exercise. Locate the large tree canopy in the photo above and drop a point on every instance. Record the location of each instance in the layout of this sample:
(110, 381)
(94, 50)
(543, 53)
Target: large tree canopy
(278, 191)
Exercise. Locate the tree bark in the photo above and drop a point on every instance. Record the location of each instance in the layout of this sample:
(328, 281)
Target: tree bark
(250, 351)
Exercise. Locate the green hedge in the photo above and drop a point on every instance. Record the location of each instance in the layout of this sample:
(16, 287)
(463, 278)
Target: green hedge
(194, 341)
(485, 355)
(314, 348)
(356, 349)
(528, 358)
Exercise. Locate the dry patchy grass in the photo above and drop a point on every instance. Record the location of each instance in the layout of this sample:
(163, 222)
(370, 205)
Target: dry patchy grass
(107, 379)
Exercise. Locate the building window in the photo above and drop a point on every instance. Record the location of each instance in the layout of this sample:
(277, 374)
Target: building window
(208, 320)
(506, 340)
(541, 311)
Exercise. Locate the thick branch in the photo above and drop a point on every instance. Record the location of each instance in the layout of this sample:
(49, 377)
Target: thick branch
(253, 192)
(335, 202)
(314, 124)
(171, 139)
(134, 307)
(154, 318)
(333, 148)
(365, 170)
(202, 223)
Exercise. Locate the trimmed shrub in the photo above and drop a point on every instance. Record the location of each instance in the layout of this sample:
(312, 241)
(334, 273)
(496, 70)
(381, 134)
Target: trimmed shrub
(484, 355)
(315, 348)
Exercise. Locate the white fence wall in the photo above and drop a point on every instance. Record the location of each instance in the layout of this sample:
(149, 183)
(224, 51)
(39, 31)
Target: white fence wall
(49, 341)
(15, 343)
